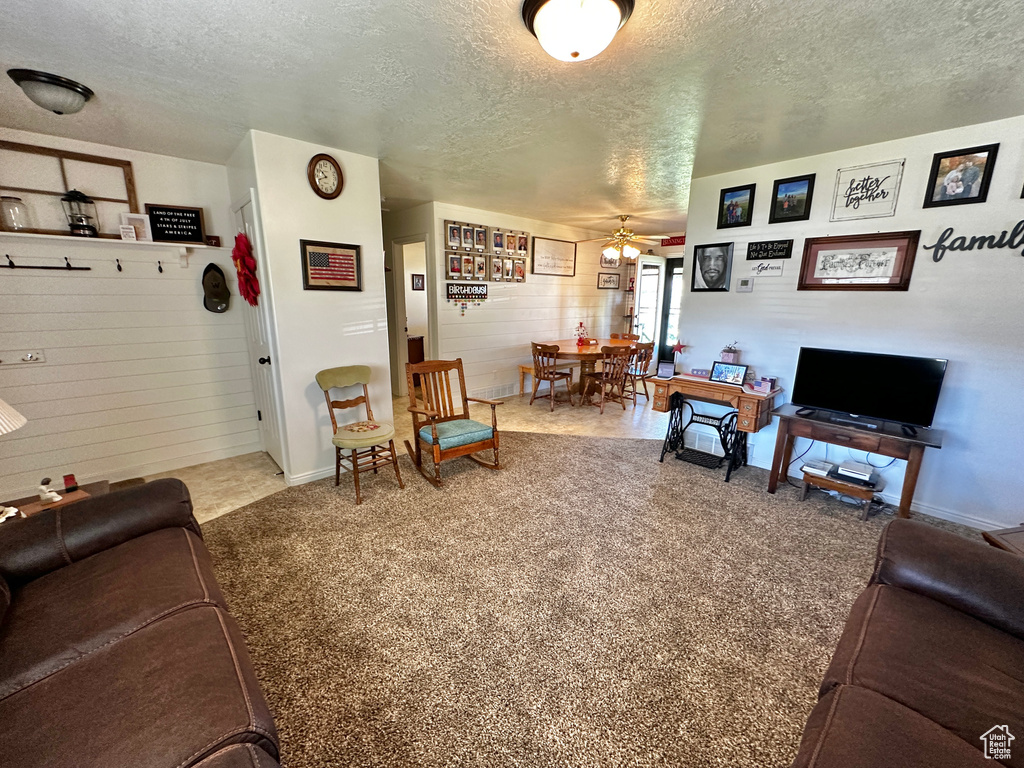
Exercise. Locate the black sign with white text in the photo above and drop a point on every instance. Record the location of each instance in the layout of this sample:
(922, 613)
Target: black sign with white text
(769, 249)
(464, 291)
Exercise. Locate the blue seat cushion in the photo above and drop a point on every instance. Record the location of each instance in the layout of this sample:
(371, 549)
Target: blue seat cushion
(452, 434)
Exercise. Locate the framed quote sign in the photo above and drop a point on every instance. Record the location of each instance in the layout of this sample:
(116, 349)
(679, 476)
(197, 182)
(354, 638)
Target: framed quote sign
(554, 257)
(176, 224)
(867, 191)
(870, 262)
(330, 266)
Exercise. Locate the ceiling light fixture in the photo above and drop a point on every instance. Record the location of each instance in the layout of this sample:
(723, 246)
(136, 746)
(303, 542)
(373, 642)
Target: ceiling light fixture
(575, 30)
(52, 92)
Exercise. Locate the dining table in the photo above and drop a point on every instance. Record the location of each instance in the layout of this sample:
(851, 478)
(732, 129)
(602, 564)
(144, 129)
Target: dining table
(588, 354)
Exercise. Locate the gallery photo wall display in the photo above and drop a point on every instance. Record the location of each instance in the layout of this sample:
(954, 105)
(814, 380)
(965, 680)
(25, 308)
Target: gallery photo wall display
(712, 267)
(791, 199)
(736, 206)
(961, 176)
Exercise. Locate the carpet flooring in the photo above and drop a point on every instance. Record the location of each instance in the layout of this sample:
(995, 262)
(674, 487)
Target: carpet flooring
(585, 606)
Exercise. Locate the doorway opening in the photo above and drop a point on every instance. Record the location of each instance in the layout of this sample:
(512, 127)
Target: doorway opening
(673, 307)
(409, 294)
(647, 315)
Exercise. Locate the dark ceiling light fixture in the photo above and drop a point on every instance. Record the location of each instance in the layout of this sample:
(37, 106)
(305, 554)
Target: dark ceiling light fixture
(51, 92)
(575, 30)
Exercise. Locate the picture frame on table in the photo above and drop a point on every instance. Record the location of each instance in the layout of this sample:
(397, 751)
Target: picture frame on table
(454, 266)
(961, 176)
(736, 206)
(871, 262)
(791, 199)
(728, 373)
(419, 282)
(608, 281)
(712, 267)
(330, 266)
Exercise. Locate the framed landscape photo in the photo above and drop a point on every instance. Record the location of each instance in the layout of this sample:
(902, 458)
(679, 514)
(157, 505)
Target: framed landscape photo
(712, 267)
(330, 266)
(871, 262)
(791, 199)
(736, 206)
(728, 373)
(867, 191)
(608, 280)
(961, 176)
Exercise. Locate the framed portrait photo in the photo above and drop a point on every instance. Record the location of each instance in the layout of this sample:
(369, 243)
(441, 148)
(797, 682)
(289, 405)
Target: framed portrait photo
(480, 267)
(467, 238)
(418, 283)
(791, 199)
(454, 266)
(330, 266)
(736, 206)
(519, 270)
(496, 268)
(608, 280)
(961, 176)
(870, 262)
(712, 267)
(480, 238)
(467, 267)
(497, 240)
(507, 269)
(728, 373)
(454, 235)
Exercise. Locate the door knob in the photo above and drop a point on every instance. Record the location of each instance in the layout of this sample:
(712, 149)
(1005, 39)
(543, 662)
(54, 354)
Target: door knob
(265, 360)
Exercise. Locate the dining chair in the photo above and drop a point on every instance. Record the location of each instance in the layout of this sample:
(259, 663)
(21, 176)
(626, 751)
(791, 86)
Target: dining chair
(611, 379)
(369, 441)
(626, 336)
(439, 426)
(545, 368)
(639, 369)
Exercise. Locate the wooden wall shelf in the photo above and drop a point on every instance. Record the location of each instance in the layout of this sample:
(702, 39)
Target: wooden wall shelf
(179, 248)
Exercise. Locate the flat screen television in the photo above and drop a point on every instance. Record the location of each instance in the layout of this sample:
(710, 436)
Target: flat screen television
(869, 386)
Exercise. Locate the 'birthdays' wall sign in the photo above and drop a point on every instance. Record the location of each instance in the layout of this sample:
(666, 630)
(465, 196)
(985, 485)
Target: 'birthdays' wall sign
(867, 191)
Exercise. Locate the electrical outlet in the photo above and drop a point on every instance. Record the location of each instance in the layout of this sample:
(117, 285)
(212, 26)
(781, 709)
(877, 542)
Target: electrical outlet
(22, 357)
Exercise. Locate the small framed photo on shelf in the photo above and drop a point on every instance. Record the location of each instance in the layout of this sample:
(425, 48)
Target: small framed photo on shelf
(467, 238)
(128, 232)
(497, 240)
(454, 236)
(454, 266)
(736, 206)
(961, 176)
(467, 267)
(791, 199)
(330, 266)
(728, 373)
(870, 262)
(418, 283)
(480, 267)
(140, 223)
(712, 267)
(496, 268)
(480, 238)
(608, 280)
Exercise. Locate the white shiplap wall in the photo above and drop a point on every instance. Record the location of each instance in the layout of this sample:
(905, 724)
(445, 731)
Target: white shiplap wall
(138, 377)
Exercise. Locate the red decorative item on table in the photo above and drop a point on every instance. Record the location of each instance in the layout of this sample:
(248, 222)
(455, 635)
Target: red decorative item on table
(245, 265)
(581, 335)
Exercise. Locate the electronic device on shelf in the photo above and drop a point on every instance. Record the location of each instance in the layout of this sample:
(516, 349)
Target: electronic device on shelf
(855, 469)
(864, 388)
(817, 467)
(869, 482)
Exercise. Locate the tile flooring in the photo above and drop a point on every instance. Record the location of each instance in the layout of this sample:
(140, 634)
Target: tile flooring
(218, 487)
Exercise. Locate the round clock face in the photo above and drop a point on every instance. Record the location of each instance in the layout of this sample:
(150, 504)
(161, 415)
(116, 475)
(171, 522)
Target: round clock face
(324, 175)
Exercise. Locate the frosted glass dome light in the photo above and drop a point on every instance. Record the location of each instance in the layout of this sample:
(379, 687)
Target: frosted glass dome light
(575, 30)
(51, 92)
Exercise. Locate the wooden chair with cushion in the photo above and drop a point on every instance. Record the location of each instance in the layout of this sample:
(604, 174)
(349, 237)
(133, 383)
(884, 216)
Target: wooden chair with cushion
(439, 426)
(610, 381)
(639, 369)
(546, 368)
(370, 442)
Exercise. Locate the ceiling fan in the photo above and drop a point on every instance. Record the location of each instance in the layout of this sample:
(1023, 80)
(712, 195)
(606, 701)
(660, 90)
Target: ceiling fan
(622, 242)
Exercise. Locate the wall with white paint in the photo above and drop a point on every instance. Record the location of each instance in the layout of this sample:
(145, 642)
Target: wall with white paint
(139, 378)
(966, 308)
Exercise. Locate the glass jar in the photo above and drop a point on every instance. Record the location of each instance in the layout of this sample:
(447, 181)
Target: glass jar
(14, 212)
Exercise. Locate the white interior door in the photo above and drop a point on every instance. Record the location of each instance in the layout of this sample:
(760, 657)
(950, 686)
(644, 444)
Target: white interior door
(258, 336)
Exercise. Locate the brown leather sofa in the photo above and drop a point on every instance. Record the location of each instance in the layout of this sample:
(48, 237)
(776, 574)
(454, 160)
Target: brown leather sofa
(116, 647)
(931, 659)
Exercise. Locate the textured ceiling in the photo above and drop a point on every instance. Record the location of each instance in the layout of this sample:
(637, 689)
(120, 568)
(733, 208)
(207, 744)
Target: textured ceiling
(461, 104)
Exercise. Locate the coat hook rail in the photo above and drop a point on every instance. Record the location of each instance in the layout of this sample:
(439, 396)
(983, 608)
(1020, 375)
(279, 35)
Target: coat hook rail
(66, 267)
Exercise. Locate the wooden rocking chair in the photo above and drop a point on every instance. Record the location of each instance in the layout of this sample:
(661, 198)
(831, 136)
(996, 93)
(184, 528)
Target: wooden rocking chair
(443, 431)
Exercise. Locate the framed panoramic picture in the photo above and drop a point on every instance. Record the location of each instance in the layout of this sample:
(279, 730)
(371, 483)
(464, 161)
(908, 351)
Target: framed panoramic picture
(728, 373)
(418, 283)
(608, 280)
(870, 262)
(791, 199)
(867, 191)
(961, 176)
(712, 267)
(736, 206)
(330, 266)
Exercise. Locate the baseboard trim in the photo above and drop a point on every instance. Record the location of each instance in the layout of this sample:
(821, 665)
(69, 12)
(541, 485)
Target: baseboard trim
(309, 477)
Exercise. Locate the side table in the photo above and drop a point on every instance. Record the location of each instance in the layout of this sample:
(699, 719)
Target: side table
(862, 492)
(31, 505)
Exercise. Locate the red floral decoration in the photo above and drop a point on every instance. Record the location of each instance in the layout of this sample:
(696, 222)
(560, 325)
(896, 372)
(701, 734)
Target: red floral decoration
(245, 265)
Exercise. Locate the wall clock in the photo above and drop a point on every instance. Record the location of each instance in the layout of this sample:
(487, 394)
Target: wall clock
(324, 176)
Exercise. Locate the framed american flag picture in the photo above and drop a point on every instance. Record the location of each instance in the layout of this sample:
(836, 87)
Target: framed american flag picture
(330, 266)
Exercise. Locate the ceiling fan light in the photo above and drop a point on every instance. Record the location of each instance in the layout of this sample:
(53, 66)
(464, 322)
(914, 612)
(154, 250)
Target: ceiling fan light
(575, 30)
(630, 251)
(612, 252)
(51, 92)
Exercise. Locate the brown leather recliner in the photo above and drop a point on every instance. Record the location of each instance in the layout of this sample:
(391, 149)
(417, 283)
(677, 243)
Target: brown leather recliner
(930, 661)
(116, 647)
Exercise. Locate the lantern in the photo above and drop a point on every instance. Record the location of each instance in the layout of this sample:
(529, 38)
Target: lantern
(81, 213)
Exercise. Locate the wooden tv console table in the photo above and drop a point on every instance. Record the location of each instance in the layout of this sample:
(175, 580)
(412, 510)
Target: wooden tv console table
(888, 440)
